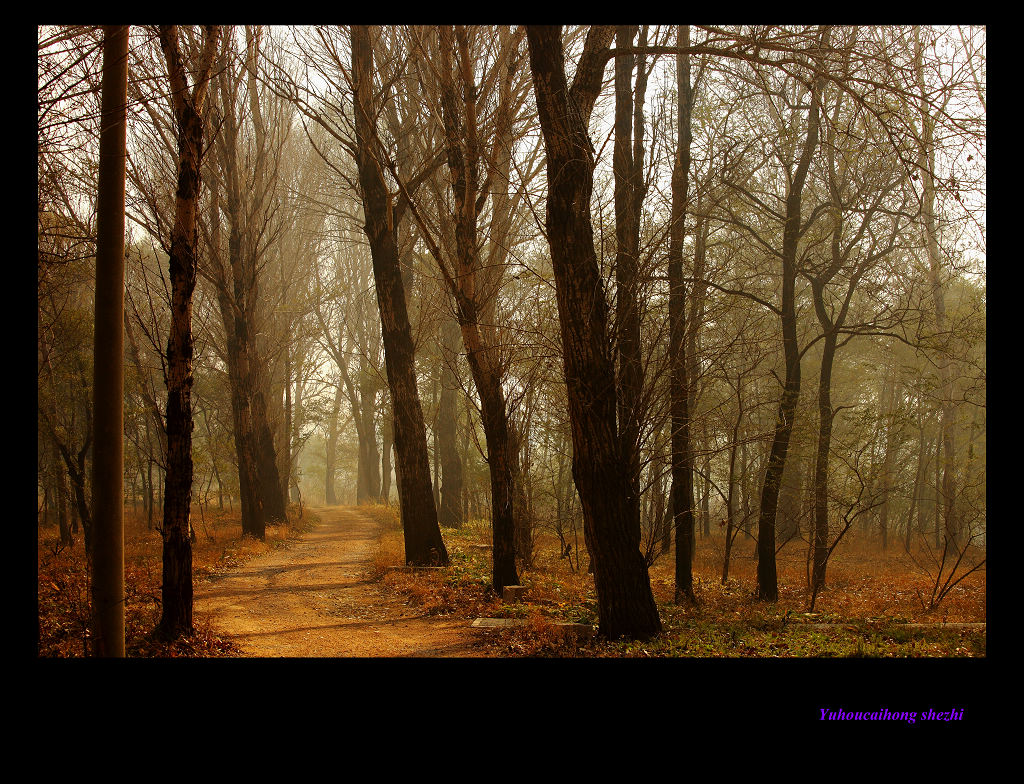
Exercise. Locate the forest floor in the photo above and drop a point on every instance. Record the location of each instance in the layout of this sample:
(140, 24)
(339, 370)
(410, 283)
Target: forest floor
(325, 586)
(319, 597)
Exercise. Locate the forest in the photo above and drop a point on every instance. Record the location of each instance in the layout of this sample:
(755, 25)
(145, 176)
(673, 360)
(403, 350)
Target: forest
(582, 341)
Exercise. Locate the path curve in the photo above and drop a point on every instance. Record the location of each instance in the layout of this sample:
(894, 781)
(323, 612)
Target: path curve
(316, 597)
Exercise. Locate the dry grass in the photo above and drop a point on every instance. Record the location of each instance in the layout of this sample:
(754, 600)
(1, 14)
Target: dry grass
(869, 594)
(386, 515)
(461, 591)
(63, 584)
(862, 582)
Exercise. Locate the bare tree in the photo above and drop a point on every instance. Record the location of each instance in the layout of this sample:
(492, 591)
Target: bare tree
(464, 277)
(250, 206)
(423, 542)
(682, 451)
(189, 109)
(767, 576)
(602, 475)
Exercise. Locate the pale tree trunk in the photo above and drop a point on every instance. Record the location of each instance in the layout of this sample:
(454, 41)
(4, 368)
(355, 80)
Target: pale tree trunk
(915, 494)
(332, 448)
(61, 493)
(450, 510)
(697, 302)
(388, 445)
(926, 167)
(364, 470)
(368, 409)
(731, 495)
(295, 441)
(889, 408)
(286, 461)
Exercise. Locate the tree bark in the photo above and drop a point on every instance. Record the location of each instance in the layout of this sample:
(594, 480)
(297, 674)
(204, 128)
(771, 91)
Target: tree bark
(423, 542)
(450, 511)
(238, 291)
(767, 575)
(888, 410)
(368, 402)
(176, 618)
(682, 453)
(253, 518)
(332, 449)
(600, 466)
(108, 352)
(61, 492)
(628, 172)
(825, 416)
(388, 439)
(463, 154)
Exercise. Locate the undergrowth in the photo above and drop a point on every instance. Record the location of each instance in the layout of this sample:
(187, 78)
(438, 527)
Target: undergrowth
(870, 600)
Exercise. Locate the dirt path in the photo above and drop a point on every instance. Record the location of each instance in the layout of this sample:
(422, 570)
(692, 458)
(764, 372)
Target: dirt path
(316, 598)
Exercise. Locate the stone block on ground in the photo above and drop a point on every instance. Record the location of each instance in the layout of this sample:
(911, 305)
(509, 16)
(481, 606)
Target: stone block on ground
(513, 593)
(497, 623)
(579, 631)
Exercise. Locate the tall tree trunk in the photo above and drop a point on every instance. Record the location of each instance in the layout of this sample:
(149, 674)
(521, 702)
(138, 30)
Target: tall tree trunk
(367, 465)
(767, 575)
(450, 511)
(388, 438)
(270, 477)
(108, 352)
(825, 416)
(434, 454)
(463, 155)
(332, 449)
(697, 301)
(176, 618)
(238, 293)
(61, 494)
(601, 471)
(522, 492)
(628, 200)
(368, 401)
(423, 542)
(287, 461)
(253, 520)
(926, 166)
(682, 453)
(731, 496)
(294, 443)
(889, 406)
(668, 519)
(938, 506)
(915, 495)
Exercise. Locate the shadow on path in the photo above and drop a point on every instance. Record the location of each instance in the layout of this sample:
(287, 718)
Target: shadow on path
(317, 598)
